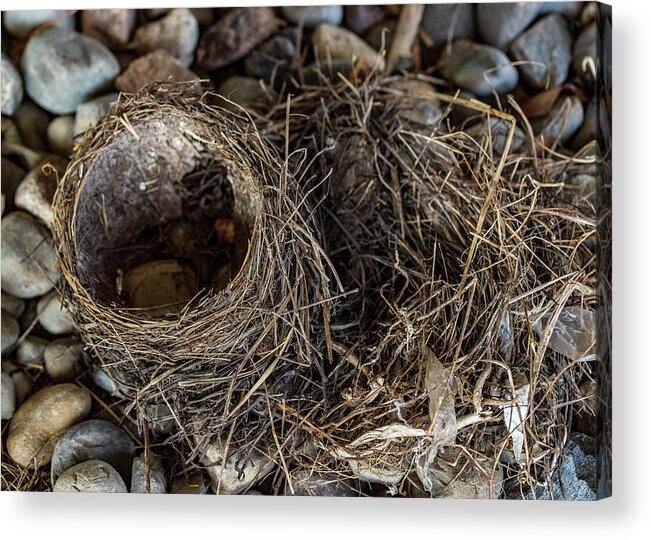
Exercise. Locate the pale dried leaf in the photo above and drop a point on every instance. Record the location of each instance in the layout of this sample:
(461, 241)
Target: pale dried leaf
(574, 333)
(515, 417)
(439, 383)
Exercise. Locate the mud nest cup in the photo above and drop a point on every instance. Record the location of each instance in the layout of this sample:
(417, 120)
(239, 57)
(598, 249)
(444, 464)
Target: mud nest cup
(463, 242)
(171, 179)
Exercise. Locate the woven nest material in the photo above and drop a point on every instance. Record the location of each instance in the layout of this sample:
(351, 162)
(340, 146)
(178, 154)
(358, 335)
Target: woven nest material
(471, 255)
(170, 153)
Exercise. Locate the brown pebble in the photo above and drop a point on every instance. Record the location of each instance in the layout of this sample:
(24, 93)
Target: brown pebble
(113, 27)
(156, 66)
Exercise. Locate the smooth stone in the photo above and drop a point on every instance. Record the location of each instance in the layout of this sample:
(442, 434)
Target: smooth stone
(563, 121)
(381, 35)
(177, 33)
(29, 264)
(53, 316)
(316, 71)
(589, 13)
(63, 69)
(548, 46)
(36, 191)
(443, 22)
(480, 69)
(160, 286)
(237, 472)
(12, 175)
(90, 477)
(585, 54)
(89, 113)
(113, 27)
(243, 91)
(61, 135)
(11, 91)
(7, 396)
(419, 104)
(333, 42)
(497, 129)
(12, 305)
(156, 66)
(39, 421)
(500, 23)
(277, 55)
(31, 122)
(360, 19)
(192, 484)
(311, 16)
(157, 475)
(589, 128)
(314, 484)
(10, 331)
(30, 350)
(160, 418)
(569, 9)
(63, 359)
(235, 35)
(94, 440)
(109, 384)
(21, 23)
(23, 384)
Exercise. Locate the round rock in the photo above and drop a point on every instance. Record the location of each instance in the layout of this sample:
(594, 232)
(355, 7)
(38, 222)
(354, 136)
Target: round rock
(113, 27)
(333, 42)
(7, 396)
(499, 23)
(10, 331)
(275, 55)
(362, 18)
(584, 60)
(63, 69)
(311, 16)
(244, 91)
(443, 22)
(30, 350)
(156, 66)
(36, 190)
(177, 33)
(53, 316)
(29, 265)
(12, 305)
(40, 420)
(94, 440)
(157, 475)
(63, 358)
(21, 23)
(11, 89)
(89, 113)
(563, 121)
(31, 122)
(60, 135)
(91, 477)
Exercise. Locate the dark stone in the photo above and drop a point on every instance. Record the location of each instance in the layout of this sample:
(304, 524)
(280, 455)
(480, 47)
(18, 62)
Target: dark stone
(449, 21)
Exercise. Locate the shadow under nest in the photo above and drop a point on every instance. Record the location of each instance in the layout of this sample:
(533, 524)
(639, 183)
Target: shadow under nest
(394, 284)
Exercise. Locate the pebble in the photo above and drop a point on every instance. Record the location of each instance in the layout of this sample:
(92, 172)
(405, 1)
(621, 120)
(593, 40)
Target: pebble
(569, 9)
(360, 19)
(312, 16)
(29, 265)
(156, 66)
(23, 384)
(21, 23)
(30, 350)
(63, 69)
(37, 423)
(381, 35)
(7, 396)
(12, 305)
(10, 331)
(315, 484)
(160, 283)
(60, 135)
(109, 384)
(277, 55)
(563, 121)
(90, 477)
(235, 35)
(480, 69)
(31, 123)
(12, 175)
(588, 130)
(499, 23)
(548, 46)
(36, 191)
(238, 472)
(443, 22)
(157, 475)
(160, 418)
(113, 27)
(497, 129)
(11, 94)
(63, 359)
(315, 71)
(419, 104)
(333, 42)
(177, 33)
(589, 13)
(376, 471)
(585, 54)
(53, 316)
(244, 91)
(89, 113)
(585, 415)
(192, 484)
(93, 440)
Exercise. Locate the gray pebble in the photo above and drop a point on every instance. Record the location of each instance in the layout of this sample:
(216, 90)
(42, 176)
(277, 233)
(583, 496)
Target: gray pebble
(11, 175)
(244, 91)
(499, 23)
(94, 440)
(546, 50)
(275, 55)
(563, 120)
(63, 69)
(12, 305)
(480, 69)
(497, 129)
(91, 477)
(90, 112)
(157, 475)
(29, 265)
(11, 94)
(444, 22)
(362, 18)
(177, 33)
(21, 23)
(54, 317)
(36, 190)
(30, 350)
(31, 122)
(569, 9)
(311, 16)
(63, 359)
(23, 384)
(109, 384)
(588, 130)
(60, 135)
(7, 397)
(585, 54)
(314, 484)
